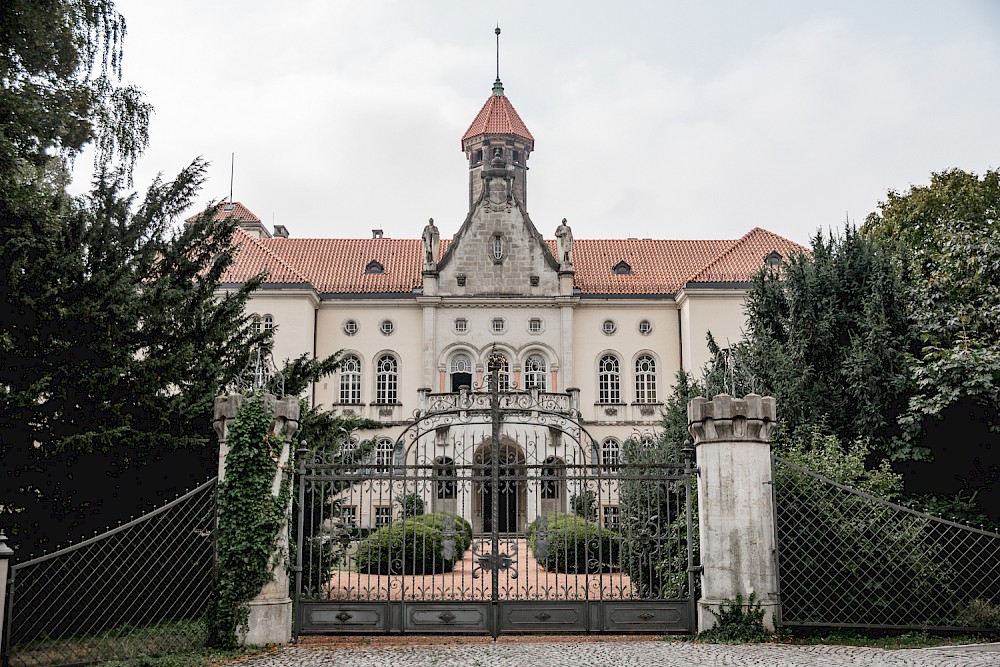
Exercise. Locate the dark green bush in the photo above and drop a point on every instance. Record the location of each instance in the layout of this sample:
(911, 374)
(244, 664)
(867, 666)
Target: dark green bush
(412, 546)
(574, 545)
(738, 620)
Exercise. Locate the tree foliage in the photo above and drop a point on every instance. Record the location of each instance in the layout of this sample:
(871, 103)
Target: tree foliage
(828, 337)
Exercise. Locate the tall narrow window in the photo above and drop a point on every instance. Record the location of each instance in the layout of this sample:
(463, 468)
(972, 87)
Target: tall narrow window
(350, 380)
(268, 322)
(645, 379)
(503, 376)
(497, 248)
(534, 373)
(383, 454)
(386, 380)
(552, 478)
(611, 451)
(609, 388)
(461, 371)
(444, 475)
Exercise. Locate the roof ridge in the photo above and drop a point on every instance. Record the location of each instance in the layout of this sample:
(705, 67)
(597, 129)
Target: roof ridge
(728, 252)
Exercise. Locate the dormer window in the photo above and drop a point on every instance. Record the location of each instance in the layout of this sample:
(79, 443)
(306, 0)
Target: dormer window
(773, 258)
(497, 248)
(622, 268)
(374, 266)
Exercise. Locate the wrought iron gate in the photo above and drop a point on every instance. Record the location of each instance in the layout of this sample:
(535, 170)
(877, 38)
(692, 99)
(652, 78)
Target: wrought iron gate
(491, 514)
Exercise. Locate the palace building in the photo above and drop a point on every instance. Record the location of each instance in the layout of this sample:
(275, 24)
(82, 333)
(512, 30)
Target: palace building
(594, 329)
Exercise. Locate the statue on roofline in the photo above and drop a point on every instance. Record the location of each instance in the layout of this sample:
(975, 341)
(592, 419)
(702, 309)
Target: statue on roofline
(432, 245)
(564, 238)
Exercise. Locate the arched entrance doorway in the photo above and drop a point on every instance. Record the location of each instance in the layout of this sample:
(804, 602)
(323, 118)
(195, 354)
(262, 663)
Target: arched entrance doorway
(512, 505)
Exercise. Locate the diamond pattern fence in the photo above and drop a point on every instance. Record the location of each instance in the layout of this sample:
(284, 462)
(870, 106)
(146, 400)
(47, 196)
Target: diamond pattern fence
(140, 589)
(849, 559)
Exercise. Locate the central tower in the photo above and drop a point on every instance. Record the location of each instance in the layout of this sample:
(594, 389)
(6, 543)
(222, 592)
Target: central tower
(497, 127)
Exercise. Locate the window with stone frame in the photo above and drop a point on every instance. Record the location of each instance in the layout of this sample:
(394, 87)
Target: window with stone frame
(460, 371)
(611, 452)
(383, 454)
(609, 389)
(535, 373)
(350, 380)
(386, 380)
(645, 379)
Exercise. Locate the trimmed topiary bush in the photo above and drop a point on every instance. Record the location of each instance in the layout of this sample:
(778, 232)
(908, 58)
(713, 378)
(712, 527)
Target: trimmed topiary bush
(412, 546)
(574, 545)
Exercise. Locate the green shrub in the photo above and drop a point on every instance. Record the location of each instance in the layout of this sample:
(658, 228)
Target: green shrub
(573, 545)
(412, 505)
(584, 505)
(462, 528)
(412, 546)
(738, 621)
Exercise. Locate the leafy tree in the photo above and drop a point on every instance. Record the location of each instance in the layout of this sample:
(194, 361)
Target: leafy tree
(947, 237)
(115, 338)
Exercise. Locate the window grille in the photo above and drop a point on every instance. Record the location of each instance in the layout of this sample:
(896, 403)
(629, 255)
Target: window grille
(386, 380)
(350, 380)
(645, 379)
(461, 325)
(350, 327)
(609, 380)
(386, 327)
(498, 325)
(645, 327)
(609, 327)
(535, 373)
(535, 325)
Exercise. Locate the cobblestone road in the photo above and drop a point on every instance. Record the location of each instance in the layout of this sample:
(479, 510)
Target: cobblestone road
(647, 653)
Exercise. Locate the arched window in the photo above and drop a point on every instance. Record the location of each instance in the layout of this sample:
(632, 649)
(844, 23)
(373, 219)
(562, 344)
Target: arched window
(553, 476)
(386, 380)
(460, 369)
(609, 388)
(504, 371)
(348, 448)
(611, 452)
(645, 379)
(535, 373)
(444, 475)
(350, 380)
(383, 454)
(268, 322)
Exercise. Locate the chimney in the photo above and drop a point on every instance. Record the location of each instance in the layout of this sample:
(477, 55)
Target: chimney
(280, 232)
(376, 233)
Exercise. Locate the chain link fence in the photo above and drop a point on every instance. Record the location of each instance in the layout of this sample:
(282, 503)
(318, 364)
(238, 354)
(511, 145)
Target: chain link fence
(849, 559)
(138, 590)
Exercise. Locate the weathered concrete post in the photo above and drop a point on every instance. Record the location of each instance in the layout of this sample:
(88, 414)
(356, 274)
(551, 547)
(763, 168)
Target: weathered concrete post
(270, 619)
(735, 503)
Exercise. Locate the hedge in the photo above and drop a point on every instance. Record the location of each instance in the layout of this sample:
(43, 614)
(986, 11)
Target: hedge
(574, 545)
(412, 546)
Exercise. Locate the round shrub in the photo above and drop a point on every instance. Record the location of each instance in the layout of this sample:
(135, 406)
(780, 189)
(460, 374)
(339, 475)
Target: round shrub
(462, 528)
(412, 546)
(574, 545)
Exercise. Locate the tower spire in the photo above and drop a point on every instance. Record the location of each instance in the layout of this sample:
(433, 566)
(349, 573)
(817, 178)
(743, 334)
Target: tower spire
(497, 86)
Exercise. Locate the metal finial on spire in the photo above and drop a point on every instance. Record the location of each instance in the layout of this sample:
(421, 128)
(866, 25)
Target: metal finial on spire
(497, 86)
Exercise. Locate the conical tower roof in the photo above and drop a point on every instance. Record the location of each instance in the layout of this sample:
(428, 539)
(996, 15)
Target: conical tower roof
(497, 116)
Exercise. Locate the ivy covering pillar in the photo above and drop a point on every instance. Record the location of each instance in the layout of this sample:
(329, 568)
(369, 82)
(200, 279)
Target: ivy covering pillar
(254, 512)
(735, 503)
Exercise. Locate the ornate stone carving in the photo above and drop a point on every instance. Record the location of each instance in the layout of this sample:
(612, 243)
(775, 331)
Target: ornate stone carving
(748, 419)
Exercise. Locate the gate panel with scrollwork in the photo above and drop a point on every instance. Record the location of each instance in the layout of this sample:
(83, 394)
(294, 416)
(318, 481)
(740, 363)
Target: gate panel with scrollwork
(493, 515)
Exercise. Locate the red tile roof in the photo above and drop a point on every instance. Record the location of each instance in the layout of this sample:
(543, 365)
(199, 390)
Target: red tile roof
(745, 257)
(238, 211)
(337, 266)
(498, 116)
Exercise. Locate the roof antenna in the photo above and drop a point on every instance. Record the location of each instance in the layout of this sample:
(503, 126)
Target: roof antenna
(232, 165)
(497, 86)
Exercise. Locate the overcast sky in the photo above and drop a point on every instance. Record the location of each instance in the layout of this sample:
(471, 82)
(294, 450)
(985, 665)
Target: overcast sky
(651, 119)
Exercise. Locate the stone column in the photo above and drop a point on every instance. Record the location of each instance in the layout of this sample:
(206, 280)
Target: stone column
(270, 619)
(735, 503)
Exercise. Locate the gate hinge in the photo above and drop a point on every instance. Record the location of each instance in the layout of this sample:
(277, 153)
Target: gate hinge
(696, 569)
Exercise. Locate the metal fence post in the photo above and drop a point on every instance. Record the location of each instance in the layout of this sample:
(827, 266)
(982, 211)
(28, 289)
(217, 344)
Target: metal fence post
(6, 605)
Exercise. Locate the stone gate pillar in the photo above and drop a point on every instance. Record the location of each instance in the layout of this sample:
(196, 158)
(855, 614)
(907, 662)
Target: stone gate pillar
(735, 502)
(270, 619)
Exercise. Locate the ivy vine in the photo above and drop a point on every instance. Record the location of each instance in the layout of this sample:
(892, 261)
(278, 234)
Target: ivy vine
(249, 521)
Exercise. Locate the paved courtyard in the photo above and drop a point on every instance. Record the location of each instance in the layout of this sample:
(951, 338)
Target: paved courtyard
(577, 652)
